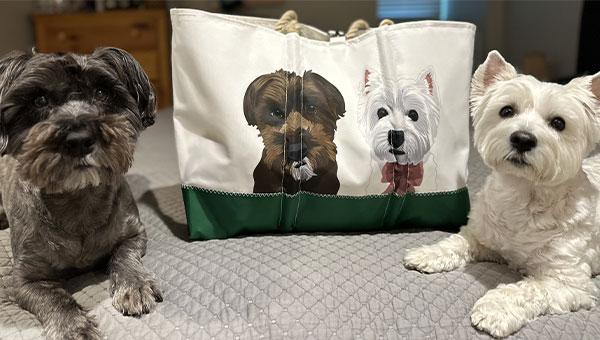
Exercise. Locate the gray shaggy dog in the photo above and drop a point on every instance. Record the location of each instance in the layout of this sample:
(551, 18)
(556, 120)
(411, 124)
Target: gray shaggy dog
(68, 127)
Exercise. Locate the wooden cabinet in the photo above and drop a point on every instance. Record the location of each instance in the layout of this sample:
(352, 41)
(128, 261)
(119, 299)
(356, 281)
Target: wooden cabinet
(143, 33)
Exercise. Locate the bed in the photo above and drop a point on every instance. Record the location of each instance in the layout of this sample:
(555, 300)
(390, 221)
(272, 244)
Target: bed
(307, 286)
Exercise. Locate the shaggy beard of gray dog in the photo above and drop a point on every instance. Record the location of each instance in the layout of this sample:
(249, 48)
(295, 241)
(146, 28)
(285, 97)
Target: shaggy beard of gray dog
(68, 127)
(45, 167)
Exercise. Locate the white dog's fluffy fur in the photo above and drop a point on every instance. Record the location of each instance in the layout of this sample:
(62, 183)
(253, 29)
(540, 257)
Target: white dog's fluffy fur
(398, 97)
(538, 211)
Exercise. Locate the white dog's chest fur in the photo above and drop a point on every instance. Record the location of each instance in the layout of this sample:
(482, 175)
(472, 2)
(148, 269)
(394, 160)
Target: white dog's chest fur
(529, 226)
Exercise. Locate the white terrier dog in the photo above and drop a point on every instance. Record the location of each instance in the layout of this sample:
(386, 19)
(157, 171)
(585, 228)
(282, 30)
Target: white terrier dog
(538, 210)
(399, 120)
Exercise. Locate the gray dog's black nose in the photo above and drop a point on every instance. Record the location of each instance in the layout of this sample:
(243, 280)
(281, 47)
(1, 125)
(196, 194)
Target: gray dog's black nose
(395, 138)
(296, 151)
(523, 141)
(79, 143)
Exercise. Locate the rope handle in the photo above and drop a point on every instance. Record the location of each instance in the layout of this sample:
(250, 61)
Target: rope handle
(357, 25)
(288, 23)
(362, 25)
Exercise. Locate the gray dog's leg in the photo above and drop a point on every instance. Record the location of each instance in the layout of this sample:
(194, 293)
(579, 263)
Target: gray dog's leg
(61, 316)
(133, 288)
(3, 218)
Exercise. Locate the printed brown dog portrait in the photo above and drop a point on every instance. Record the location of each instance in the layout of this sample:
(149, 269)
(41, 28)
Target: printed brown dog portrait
(297, 117)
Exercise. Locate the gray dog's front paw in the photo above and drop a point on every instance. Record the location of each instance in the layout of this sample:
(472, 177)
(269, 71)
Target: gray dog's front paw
(136, 296)
(81, 327)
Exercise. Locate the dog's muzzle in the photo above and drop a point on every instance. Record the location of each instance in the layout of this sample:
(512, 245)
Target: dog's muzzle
(396, 139)
(296, 152)
(79, 128)
(523, 141)
(79, 142)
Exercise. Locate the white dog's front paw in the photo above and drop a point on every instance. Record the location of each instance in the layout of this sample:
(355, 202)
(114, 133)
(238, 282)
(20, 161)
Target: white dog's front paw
(497, 316)
(426, 259)
(432, 259)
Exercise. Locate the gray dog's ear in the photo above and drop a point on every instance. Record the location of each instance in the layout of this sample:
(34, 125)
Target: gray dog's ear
(11, 65)
(133, 76)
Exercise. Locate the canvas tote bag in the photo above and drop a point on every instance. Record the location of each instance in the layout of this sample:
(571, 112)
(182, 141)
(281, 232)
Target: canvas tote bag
(282, 128)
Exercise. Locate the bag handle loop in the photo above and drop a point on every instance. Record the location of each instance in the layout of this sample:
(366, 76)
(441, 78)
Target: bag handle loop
(288, 23)
(357, 25)
(361, 25)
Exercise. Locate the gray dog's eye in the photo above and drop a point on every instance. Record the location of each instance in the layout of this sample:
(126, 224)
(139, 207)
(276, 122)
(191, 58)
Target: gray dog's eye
(100, 95)
(40, 101)
(413, 115)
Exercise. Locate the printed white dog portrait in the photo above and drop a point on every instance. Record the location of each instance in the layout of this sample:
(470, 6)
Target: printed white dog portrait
(539, 209)
(399, 120)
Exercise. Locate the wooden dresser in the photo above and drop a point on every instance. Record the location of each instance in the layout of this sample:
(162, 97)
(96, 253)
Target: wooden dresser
(143, 33)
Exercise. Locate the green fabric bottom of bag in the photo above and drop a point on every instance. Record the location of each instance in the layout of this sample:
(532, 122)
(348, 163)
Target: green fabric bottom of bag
(218, 215)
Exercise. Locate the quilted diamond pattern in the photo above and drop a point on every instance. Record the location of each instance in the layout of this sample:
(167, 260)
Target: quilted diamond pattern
(294, 287)
(323, 286)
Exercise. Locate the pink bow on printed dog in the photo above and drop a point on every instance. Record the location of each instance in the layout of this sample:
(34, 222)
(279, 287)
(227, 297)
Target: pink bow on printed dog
(402, 177)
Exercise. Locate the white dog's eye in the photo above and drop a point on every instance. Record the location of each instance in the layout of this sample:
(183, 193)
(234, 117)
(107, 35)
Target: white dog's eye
(100, 95)
(40, 101)
(507, 112)
(558, 124)
(413, 115)
(382, 113)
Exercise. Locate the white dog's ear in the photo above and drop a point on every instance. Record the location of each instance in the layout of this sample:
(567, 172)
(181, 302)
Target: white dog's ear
(596, 86)
(588, 84)
(366, 87)
(371, 80)
(494, 69)
(427, 78)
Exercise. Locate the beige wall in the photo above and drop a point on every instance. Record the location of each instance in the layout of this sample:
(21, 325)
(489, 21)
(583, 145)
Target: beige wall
(16, 28)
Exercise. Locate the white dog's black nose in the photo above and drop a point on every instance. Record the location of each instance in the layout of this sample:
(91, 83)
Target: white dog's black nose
(79, 143)
(396, 138)
(297, 151)
(523, 141)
